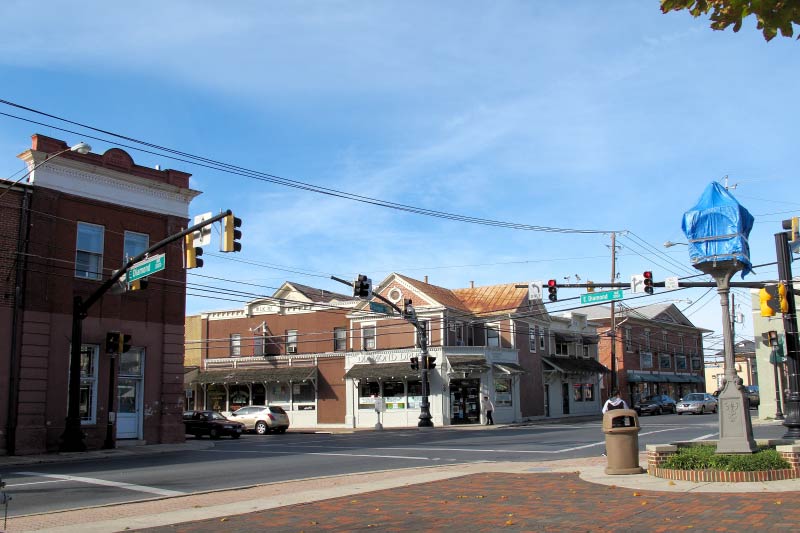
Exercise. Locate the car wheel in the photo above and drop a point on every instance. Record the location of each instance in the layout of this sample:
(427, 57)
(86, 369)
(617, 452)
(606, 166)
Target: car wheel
(214, 433)
(715, 409)
(659, 411)
(262, 428)
(703, 410)
(235, 435)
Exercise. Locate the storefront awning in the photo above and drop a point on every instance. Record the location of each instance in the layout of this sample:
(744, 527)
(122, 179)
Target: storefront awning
(509, 368)
(575, 365)
(382, 371)
(284, 374)
(467, 363)
(643, 378)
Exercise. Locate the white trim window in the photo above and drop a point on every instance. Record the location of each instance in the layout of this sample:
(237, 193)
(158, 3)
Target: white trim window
(492, 336)
(89, 251)
(562, 347)
(542, 335)
(645, 360)
(291, 341)
(647, 340)
(664, 341)
(628, 339)
(368, 339)
(236, 344)
(339, 339)
(88, 395)
(134, 244)
(532, 334)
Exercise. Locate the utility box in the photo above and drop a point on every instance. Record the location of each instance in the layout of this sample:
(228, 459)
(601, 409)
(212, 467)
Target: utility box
(621, 427)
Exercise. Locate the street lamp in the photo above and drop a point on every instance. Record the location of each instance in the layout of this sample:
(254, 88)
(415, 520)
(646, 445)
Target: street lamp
(670, 244)
(773, 342)
(81, 148)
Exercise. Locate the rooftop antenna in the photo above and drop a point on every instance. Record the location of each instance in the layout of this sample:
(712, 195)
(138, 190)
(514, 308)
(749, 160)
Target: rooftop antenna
(729, 187)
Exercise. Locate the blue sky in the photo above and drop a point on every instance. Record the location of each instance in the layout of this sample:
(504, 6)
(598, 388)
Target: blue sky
(589, 115)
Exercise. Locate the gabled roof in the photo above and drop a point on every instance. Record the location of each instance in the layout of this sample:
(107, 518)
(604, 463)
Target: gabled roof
(664, 312)
(445, 297)
(505, 298)
(314, 294)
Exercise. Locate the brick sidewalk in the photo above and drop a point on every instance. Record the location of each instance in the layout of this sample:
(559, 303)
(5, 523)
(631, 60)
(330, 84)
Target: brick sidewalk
(520, 502)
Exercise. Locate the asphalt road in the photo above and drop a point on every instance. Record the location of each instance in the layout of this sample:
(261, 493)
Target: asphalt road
(255, 459)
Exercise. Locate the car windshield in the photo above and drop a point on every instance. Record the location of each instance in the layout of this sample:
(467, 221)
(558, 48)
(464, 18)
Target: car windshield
(694, 398)
(217, 416)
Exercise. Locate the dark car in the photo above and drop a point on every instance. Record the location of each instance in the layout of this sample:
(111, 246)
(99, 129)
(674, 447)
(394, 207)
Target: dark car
(751, 391)
(656, 405)
(211, 423)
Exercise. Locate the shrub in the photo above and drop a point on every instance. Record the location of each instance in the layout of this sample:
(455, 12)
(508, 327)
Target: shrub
(705, 458)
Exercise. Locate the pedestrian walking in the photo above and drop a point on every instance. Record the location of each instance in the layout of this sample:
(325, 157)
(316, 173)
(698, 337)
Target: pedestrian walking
(615, 402)
(488, 408)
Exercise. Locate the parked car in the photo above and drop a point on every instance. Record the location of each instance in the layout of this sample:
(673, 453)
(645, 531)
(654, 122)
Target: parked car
(751, 391)
(262, 418)
(697, 403)
(656, 405)
(211, 423)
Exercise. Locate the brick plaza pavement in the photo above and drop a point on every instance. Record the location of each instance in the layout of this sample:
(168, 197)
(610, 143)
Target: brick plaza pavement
(539, 501)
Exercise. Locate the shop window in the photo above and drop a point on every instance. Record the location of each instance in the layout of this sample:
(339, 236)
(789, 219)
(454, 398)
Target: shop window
(259, 394)
(502, 392)
(646, 360)
(215, 395)
(367, 392)
(577, 392)
(279, 394)
(680, 362)
(291, 341)
(239, 396)
(664, 361)
(303, 396)
(339, 339)
(394, 392)
(236, 345)
(134, 244)
(588, 392)
(492, 337)
(414, 393)
(88, 392)
(89, 251)
(368, 338)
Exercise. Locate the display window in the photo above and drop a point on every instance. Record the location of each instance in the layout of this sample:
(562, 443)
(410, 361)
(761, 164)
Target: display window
(367, 392)
(303, 396)
(414, 393)
(394, 393)
(502, 392)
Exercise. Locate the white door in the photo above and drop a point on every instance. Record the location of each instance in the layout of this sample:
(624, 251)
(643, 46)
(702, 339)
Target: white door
(129, 395)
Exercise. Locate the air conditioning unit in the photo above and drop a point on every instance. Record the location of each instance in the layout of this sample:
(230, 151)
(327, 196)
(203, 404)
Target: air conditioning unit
(291, 349)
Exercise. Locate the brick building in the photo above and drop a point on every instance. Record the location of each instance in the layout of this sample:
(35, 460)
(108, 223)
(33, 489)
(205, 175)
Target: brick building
(74, 220)
(658, 350)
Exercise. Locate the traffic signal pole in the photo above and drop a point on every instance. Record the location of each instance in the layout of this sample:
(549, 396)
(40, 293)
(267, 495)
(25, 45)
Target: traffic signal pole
(72, 440)
(613, 331)
(792, 404)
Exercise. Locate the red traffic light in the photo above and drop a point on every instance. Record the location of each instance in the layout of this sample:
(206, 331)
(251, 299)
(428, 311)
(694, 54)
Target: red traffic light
(647, 275)
(551, 283)
(648, 281)
(552, 288)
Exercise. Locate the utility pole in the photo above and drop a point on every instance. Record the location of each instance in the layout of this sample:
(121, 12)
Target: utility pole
(792, 403)
(613, 332)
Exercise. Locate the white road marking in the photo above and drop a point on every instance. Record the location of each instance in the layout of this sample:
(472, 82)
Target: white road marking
(704, 437)
(106, 483)
(35, 483)
(325, 453)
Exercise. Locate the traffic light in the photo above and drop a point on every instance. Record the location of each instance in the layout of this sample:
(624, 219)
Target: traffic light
(414, 363)
(770, 300)
(408, 309)
(648, 281)
(362, 287)
(783, 301)
(430, 362)
(193, 253)
(231, 235)
(589, 286)
(139, 284)
(124, 343)
(112, 341)
(552, 288)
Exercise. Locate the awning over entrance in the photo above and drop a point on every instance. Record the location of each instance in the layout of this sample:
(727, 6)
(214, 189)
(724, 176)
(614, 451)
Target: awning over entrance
(284, 374)
(467, 363)
(575, 365)
(382, 371)
(643, 378)
(664, 378)
(509, 368)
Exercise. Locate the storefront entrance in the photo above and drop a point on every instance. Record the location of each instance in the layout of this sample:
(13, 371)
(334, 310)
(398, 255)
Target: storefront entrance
(465, 401)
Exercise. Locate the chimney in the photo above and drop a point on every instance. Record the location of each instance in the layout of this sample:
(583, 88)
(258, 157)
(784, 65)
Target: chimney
(426, 279)
(471, 284)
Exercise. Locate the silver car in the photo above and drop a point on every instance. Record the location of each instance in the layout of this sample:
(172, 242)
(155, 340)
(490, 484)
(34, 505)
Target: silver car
(262, 418)
(697, 403)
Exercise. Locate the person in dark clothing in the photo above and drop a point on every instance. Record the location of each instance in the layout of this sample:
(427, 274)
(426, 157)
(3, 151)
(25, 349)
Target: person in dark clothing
(488, 406)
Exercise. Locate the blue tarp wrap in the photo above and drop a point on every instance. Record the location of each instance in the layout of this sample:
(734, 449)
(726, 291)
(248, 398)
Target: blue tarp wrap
(717, 228)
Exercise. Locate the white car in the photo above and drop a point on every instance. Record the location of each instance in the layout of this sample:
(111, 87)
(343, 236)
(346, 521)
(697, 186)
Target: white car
(262, 418)
(697, 403)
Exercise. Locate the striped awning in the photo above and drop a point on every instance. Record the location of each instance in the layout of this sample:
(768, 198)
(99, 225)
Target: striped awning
(283, 374)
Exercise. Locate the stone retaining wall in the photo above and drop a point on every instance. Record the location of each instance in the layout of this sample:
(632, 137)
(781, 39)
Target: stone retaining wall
(657, 454)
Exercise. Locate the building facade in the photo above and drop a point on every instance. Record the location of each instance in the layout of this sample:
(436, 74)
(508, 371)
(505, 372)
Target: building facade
(76, 219)
(657, 350)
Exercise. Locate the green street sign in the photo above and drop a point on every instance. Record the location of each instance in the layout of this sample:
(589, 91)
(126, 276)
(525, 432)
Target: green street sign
(375, 307)
(146, 267)
(600, 297)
